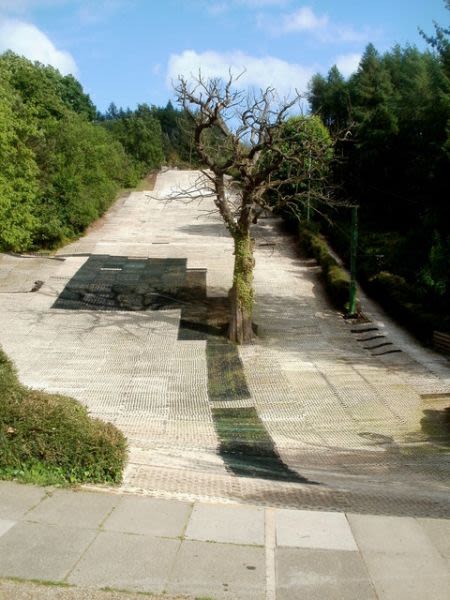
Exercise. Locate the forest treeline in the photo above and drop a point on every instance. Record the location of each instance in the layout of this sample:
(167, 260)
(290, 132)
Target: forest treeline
(391, 119)
(152, 134)
(58, 171)
(61, 162)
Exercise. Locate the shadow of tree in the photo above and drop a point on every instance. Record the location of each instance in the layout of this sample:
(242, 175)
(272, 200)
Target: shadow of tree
(119, 283)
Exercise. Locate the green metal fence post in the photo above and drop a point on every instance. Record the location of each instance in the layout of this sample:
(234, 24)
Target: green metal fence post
(308, 202)
(353, 252)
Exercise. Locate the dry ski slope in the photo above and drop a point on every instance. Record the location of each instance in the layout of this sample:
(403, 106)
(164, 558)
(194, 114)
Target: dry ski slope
(338, 409)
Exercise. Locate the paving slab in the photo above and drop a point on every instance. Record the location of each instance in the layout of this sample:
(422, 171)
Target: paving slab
(151, 516)
(313, 529)
(393, 535)
(229, 524)
(438, 531)
(74, 508)
(126, 561)
(16, 499)
(321, 574)
(219, 571)
(38, 551)
(408, 577)
(5, 525)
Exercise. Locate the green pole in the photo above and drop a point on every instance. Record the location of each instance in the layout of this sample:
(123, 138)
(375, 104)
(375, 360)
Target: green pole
(353, 251)
(308, 203)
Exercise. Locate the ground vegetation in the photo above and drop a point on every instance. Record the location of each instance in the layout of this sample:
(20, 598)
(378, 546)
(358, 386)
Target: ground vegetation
(59, 170)
(51, 439)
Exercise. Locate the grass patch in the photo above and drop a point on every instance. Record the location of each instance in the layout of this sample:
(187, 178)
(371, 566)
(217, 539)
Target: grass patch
(15, 587)
(43, 582)
(147, 184)
(49, 439)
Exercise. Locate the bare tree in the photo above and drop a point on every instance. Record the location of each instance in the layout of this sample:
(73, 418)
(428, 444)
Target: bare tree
(244, 136)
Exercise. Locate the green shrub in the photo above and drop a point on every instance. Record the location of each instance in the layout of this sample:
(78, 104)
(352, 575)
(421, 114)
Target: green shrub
(337, 280)
(58, 170)
(48, 438)
(397, 296)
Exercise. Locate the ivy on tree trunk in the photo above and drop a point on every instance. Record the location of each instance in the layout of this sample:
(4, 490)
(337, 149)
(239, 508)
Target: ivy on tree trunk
(241, 293)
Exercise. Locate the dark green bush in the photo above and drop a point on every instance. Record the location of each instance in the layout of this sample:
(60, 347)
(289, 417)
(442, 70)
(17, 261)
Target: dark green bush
(398, 297)
(337, 281)
(48, 438)
(388, 283)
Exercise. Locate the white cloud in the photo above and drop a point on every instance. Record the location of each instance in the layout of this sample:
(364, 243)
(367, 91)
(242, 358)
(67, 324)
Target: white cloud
(262, 3)
(348, 63)
(218, 7)
(88, 12)
(347, 34)
(29, 41)
(259, 72)
(97, 11)
(304, 19)
(21, 6)
(321, 27)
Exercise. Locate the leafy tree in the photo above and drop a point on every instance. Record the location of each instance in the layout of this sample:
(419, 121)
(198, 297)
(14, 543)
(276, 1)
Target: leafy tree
(372, 100)
(178, 135)
(18, 170)
(435, 275)
(84, 169)
(58, 170)
(329, 97)
(310, 142)
(255, 149)
(140, 134)
(440, 42)
(73, 96)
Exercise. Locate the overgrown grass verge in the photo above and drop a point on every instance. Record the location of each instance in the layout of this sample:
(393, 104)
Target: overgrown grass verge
(147, 183)
(337, 280)
(15, 587)
(48, 439)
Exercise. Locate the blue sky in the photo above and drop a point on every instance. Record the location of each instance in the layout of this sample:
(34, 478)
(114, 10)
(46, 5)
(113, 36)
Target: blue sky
(129, 51)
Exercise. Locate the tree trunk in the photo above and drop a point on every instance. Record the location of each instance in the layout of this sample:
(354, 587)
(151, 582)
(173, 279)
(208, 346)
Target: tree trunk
(241, 294)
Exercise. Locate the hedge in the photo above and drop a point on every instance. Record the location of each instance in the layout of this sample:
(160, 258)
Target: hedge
(51, 439)
(337, 280)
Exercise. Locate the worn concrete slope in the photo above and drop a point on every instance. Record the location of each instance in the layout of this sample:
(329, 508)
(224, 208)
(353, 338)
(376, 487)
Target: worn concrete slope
(346, 407)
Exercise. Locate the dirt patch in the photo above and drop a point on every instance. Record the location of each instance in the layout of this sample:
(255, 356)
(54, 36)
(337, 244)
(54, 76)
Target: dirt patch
(24, 590)
(148, 183)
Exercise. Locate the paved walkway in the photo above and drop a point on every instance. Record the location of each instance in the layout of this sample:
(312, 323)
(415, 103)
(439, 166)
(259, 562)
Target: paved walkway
(215, 551)
(353, 415)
